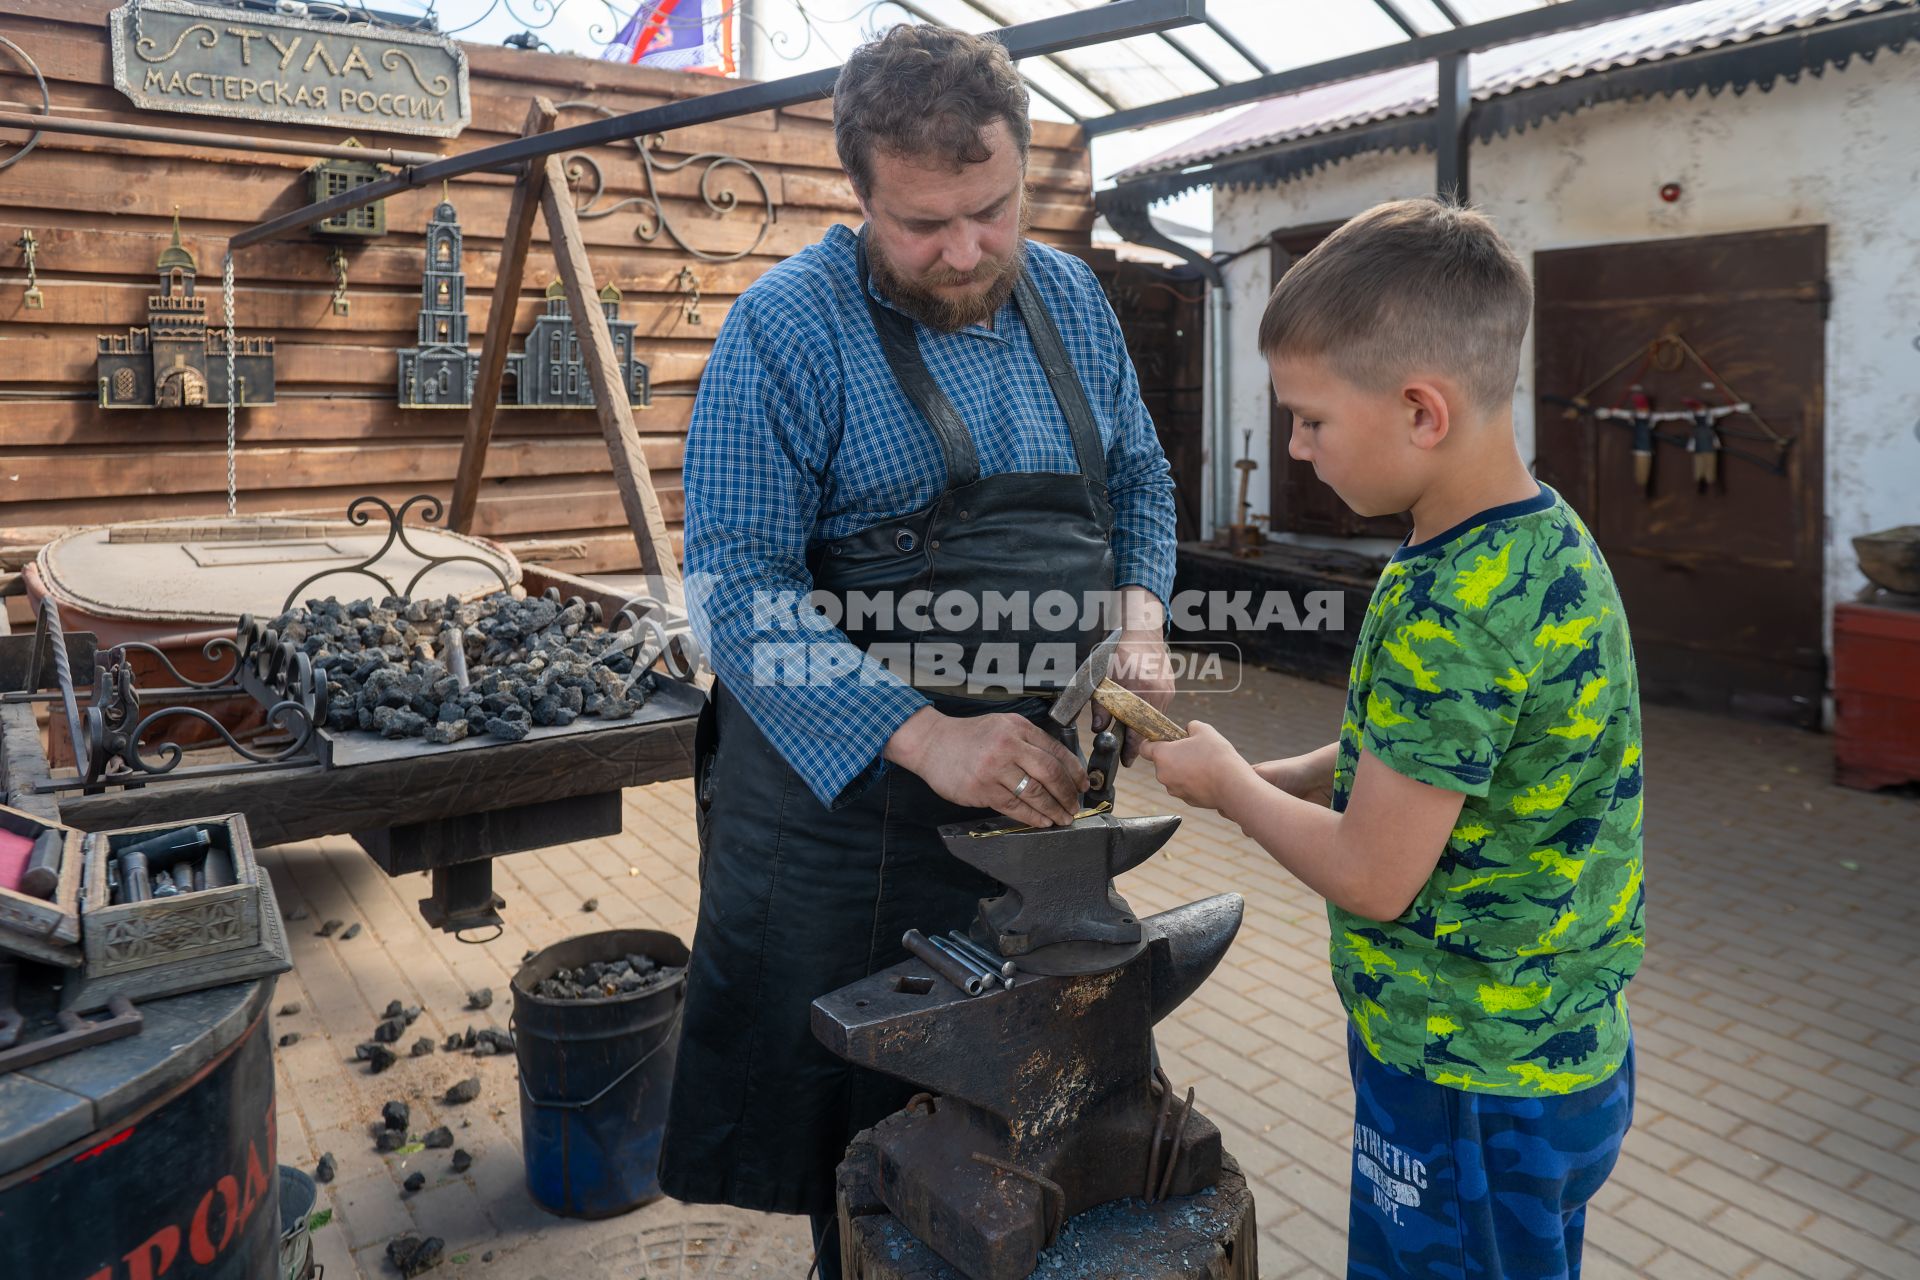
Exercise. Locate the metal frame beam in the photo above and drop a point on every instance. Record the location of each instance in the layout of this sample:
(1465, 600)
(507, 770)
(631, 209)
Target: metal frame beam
(1086, 86)
(915, 11)
(1569, 16)
(1115, 21)
(1450, 137)
(1758, 63)
(1234, 43)
(1400, 19)
(1205, 68)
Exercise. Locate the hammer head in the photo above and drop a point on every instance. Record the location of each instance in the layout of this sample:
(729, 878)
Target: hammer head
(1079, 691)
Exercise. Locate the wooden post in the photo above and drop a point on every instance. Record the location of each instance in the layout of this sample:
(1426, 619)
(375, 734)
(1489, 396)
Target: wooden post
(610, 405)
(499, 336)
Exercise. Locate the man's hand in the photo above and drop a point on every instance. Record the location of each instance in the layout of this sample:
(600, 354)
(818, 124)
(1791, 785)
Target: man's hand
(980, 761)
(1140, 662)
(1201, 770)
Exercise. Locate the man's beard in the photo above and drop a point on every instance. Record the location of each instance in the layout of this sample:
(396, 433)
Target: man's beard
(945, 313)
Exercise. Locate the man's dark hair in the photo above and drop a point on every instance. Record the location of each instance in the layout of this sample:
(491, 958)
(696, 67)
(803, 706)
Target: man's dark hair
(924, 90)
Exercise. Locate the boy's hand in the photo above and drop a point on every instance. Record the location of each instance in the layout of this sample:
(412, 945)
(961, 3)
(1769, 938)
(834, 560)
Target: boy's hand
(1201, 770)
(1309, 776)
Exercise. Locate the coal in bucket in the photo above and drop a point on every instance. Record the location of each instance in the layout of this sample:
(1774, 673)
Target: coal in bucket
(595, 1070)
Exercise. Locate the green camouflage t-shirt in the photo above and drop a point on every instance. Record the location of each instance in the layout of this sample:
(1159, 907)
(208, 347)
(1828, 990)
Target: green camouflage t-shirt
(1494, 661)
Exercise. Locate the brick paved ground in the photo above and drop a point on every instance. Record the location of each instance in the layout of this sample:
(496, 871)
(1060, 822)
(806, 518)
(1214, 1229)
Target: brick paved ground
(1778, 1127)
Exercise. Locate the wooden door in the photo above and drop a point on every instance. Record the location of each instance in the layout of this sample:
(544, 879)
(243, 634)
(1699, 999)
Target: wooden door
(1722, 585)
(1162, 313)
(1300, 503)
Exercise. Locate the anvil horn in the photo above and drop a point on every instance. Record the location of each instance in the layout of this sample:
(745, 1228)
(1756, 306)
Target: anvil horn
(1187, 943)
(1099, 847)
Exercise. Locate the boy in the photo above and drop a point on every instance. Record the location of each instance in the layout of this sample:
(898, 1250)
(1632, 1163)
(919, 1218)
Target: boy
(1476, 827)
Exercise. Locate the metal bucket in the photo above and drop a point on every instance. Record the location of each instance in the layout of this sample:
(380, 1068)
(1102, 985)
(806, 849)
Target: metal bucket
(594, 1076)
(298, 1194)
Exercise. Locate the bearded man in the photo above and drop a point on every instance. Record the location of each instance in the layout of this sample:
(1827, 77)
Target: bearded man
(931, 409)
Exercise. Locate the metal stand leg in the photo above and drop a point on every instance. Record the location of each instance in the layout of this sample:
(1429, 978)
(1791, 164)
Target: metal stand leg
(463, 897)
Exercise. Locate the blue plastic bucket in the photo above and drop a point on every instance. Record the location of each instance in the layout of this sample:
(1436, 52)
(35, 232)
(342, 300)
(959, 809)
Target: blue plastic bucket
(594, 1076)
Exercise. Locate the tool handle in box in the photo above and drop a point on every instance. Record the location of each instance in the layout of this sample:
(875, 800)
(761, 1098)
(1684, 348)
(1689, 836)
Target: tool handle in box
(42, 876)
(1130, 709)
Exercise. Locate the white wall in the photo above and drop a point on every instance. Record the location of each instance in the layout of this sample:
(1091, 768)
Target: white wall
(1839, 150)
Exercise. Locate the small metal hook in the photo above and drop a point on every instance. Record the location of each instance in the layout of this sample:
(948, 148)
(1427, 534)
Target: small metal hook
(338, 261)
(30, 249)
(689, 284)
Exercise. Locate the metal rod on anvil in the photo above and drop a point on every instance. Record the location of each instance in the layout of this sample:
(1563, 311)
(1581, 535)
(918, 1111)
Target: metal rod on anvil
(988, 977)
(995, 964)
(941, 963)
(205, 138)
(1115, 21)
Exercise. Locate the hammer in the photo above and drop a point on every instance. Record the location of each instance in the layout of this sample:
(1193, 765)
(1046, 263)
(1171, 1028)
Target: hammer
(1091, 681)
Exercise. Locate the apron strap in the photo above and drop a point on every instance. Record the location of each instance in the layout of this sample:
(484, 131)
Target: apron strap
(901, 346)
(1067, 391)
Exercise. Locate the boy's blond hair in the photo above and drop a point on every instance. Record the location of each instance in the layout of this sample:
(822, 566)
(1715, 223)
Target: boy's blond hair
(1413, 285)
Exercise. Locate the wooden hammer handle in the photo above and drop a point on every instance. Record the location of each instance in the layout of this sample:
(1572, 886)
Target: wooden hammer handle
(1130, 709)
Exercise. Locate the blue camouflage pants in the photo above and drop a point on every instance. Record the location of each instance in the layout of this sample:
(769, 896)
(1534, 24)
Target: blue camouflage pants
(1450, 1185)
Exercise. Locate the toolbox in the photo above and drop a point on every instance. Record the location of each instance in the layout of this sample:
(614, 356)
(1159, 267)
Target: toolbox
(43, 929)
(168, 945)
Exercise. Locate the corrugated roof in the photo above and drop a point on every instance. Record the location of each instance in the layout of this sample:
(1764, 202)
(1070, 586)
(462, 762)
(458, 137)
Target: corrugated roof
(1648, 37)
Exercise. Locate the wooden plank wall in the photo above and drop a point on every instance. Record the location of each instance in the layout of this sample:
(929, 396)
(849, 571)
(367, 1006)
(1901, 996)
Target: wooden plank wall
(102, 209)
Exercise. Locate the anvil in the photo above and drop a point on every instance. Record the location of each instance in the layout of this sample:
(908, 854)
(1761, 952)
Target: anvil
(1043, 1099)
(1059, 912)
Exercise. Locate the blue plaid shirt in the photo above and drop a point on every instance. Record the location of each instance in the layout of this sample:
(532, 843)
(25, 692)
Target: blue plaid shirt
(800, 435)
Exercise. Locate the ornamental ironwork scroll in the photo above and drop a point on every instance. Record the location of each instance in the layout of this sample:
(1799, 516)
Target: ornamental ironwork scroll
(589, 186)
(115, 739)
(431, 511)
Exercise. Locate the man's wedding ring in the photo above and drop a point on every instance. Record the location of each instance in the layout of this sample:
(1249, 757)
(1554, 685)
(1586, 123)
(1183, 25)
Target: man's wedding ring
(1020, 787)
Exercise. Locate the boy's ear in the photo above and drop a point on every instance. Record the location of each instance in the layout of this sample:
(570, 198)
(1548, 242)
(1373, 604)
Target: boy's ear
(1430, 415)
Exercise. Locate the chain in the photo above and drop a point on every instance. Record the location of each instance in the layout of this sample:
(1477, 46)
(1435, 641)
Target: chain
(233, 397)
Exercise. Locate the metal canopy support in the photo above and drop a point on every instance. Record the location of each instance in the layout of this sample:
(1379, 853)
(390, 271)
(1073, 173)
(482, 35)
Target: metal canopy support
(1446, 11)
(1205, 68)
(1234, 43)
(915, 11)
(1400, 19)
(1569, 16)
(1117, 21)
(1758, 63)
(1450, 137)
(1086, 86)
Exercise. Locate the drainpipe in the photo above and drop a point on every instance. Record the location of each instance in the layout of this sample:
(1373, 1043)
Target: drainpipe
(1218, 307)
(1132, 223)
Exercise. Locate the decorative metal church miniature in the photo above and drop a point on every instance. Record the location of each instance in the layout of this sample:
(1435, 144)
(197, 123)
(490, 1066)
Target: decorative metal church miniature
(548, 373)
(177, 361)
(438, 374)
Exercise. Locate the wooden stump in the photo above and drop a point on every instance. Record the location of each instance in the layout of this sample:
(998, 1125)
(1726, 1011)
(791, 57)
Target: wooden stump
(1209, 1236)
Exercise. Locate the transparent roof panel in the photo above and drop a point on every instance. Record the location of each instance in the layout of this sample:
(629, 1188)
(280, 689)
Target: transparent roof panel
(1148, 69)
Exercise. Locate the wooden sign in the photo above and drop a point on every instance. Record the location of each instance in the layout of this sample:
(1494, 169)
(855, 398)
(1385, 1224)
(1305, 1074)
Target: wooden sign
(169, 55)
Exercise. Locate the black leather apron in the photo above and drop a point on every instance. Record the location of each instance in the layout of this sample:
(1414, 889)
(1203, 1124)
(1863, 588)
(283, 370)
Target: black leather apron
(797, 899)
